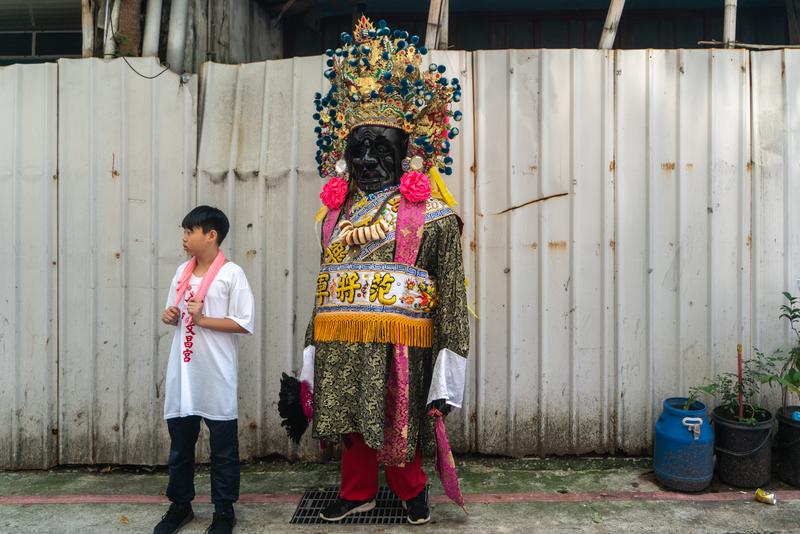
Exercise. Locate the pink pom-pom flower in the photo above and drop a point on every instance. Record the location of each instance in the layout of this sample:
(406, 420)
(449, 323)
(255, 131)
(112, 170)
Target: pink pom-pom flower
(334, 193)
(415, 186)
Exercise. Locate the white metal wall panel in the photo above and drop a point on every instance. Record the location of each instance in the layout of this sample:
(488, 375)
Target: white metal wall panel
(256, 162)
(776, 192)
(591, 310)
(252, 164)
(543, 195)
(127, 147)
(28, 295)
(630, 286)
(729, 283)
(682, 221)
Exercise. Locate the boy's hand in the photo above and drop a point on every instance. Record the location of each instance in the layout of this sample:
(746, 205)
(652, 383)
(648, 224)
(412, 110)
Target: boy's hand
(171, 316)
(195, 309)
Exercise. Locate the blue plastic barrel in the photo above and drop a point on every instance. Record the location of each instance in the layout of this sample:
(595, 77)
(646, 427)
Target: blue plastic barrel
(683, 455)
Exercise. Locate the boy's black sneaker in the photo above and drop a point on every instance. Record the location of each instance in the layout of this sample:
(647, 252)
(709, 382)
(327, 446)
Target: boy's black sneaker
(419, 512)
(177, 516)
(341, 508)
(223, 521)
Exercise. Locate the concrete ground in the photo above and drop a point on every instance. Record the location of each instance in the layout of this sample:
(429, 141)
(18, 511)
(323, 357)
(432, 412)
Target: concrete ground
(503, 495)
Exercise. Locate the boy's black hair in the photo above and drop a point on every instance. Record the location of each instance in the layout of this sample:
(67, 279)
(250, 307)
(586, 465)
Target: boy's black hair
(208, 219)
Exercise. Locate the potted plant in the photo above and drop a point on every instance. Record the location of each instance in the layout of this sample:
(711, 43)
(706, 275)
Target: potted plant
(785, 372)
(743, 430)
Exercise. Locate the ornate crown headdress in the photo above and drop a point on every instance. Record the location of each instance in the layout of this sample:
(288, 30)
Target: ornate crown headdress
(376, 80)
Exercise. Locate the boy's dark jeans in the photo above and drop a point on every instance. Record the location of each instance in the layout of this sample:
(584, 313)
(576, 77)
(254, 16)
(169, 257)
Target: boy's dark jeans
(183, 433)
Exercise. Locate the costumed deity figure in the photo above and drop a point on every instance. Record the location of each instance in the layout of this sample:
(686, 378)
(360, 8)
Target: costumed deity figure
(386, 348)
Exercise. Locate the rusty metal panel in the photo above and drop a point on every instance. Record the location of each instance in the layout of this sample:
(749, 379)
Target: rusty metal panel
(127, 147)
(28, 295)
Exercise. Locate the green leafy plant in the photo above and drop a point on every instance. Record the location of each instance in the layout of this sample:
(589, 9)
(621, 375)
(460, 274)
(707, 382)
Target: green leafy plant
(691, 399)
(785, 369)
(725, 387)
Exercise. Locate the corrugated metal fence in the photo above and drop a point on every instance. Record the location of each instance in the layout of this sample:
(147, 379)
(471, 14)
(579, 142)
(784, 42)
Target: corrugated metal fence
(628, 219)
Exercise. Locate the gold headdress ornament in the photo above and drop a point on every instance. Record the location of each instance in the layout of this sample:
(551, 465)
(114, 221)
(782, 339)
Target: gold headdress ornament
(376, 80)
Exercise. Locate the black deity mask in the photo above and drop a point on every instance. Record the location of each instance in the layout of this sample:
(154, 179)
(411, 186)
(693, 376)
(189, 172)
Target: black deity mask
(374, 157)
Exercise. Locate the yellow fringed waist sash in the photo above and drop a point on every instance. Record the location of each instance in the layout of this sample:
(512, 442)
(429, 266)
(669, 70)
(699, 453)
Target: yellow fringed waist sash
(375, 302)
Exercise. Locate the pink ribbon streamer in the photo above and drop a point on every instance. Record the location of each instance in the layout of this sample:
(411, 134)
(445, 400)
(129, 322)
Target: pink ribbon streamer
(410, 222)
(329, 224)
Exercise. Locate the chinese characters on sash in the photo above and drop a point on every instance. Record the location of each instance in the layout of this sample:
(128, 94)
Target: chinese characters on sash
(187, 339)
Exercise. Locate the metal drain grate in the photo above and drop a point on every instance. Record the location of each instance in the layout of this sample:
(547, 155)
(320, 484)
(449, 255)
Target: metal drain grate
(387, 511)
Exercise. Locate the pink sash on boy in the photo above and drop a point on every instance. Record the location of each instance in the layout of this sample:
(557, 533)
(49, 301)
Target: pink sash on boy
(208, 278)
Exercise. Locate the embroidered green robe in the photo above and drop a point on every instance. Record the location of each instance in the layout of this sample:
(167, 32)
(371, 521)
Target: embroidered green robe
(350, 379)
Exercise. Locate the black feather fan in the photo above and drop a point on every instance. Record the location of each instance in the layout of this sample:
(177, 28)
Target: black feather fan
(290, 408)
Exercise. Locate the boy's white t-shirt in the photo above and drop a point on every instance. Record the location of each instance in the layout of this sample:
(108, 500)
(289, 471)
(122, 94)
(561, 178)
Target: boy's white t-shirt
(206, 384)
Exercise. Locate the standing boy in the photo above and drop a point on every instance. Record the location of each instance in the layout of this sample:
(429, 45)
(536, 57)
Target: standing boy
(211, 304)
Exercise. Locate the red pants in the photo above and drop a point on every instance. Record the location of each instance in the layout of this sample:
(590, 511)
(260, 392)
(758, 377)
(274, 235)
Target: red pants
(360, 473)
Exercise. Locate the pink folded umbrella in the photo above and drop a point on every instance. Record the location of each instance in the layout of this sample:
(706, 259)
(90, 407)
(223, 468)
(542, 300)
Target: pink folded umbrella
(445, 464)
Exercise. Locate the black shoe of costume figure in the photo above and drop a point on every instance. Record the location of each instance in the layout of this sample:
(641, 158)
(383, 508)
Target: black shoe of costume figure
(223, 521)
(419, 512)
(341, 508)
(176, 517)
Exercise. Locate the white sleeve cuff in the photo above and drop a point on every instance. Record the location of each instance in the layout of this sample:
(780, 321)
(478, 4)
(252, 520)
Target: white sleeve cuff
(307, 374)
(449, 376)
(244, 323)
